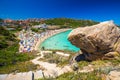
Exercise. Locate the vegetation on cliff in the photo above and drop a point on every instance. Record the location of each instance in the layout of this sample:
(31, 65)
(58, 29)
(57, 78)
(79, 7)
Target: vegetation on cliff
(102, 68)
(56, 58)
(9, 54)
(69, 23)
(6, 38)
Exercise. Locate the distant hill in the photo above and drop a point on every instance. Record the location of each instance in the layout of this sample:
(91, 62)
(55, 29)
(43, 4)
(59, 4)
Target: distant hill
(67, 22)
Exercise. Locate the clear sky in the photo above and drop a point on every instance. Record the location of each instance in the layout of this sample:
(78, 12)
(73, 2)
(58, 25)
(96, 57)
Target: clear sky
(99, 10)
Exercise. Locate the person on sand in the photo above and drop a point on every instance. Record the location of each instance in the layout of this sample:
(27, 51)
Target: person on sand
(43, 48)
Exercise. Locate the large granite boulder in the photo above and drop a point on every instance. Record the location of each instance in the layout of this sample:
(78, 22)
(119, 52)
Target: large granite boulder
(97, 40)
(114, 75)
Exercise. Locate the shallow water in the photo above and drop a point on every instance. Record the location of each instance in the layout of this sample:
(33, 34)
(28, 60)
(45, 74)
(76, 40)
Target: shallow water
(59, 42)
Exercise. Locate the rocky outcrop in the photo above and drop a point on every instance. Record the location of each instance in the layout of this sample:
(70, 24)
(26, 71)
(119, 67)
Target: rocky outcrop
(17, 76)
(97, 40)
(114, 75)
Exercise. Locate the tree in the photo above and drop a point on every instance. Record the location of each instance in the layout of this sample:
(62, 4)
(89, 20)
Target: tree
(1, 20)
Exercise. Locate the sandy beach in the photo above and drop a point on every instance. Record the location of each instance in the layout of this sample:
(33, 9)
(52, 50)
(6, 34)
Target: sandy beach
(30, 41)
(51, 33)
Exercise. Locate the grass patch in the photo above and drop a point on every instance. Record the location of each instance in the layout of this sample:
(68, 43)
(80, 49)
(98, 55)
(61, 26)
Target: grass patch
(58, 59)
(65, 51)
(19, 61)
(81, 64)
(10, 56)
(79, 76)
(18, 67)
(55, 58)
(98, 63)
(101, 70)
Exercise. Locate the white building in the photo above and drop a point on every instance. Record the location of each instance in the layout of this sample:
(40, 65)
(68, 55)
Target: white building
(40, 26)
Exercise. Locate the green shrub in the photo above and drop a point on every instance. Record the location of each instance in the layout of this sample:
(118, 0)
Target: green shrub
(78, 76)
(18, 67)
(55, 58)
(81, 64)
(67, 22)
(10, 55)
(34, 29)
(3, 44)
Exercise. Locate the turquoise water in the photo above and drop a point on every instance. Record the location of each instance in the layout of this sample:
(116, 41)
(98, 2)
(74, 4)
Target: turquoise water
(59, 42)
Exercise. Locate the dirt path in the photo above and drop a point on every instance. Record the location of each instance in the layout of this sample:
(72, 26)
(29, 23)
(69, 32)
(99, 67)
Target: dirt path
(51, 69)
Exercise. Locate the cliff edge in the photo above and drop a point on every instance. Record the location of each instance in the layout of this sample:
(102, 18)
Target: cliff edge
(97, 41)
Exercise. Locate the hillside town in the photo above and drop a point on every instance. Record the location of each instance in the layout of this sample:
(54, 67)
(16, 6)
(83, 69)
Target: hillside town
(22, 24)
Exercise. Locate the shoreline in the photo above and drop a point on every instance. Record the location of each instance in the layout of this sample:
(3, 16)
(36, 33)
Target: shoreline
(51, 33)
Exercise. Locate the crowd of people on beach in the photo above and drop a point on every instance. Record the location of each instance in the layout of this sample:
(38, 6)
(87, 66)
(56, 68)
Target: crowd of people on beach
(29, 39)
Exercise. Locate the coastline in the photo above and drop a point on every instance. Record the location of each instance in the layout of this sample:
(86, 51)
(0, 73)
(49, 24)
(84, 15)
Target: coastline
(51, 33)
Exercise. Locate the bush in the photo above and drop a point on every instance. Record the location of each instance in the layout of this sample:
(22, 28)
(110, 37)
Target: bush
(81, 64)
(9, 48)
(3, 44)
(67, 22)
(4, 32)
(34, 29)
(55, 58)
(10, 55)
(78, 76)
(18, 67)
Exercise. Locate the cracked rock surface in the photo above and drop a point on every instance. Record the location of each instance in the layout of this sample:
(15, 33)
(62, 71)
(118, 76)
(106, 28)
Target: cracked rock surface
(97, 40)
